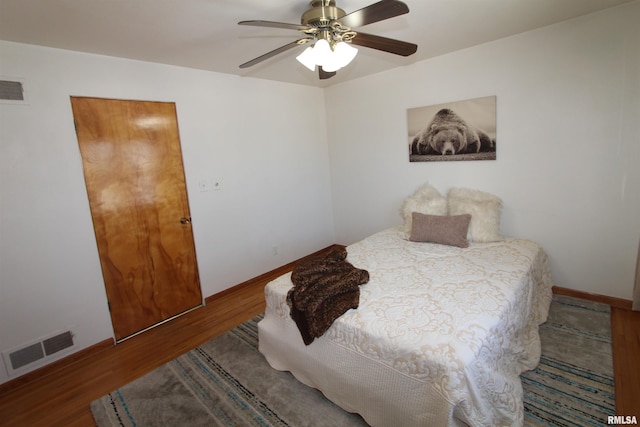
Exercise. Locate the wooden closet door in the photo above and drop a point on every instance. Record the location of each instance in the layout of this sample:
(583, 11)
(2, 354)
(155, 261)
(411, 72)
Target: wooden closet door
(138, 198)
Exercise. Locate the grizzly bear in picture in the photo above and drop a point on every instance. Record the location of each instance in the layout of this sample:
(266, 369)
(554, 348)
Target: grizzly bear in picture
(449, 134)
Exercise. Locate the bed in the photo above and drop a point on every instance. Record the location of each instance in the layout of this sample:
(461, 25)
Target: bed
(440, 336)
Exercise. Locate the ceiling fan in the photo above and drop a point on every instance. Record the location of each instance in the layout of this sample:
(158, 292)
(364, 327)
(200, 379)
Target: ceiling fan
(331, 32)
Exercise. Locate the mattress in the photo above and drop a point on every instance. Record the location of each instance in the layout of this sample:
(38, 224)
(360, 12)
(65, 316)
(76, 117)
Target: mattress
(440, 336)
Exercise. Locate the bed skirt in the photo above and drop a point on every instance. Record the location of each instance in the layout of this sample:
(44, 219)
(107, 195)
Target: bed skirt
(367, 386)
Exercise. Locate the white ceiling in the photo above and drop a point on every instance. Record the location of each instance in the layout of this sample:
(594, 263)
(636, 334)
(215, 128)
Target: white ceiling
(204, 34)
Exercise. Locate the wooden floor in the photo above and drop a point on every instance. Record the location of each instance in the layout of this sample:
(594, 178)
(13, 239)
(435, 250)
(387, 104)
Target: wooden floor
(62, 396)
(625, 331)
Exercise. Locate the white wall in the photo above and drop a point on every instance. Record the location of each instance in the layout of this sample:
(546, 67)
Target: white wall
(263, 140)
(568, 106)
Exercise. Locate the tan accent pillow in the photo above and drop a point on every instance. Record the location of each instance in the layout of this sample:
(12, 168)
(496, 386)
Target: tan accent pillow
(446, 230)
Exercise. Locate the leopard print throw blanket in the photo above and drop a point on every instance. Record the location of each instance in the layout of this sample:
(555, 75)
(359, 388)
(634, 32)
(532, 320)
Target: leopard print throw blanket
(324, 288)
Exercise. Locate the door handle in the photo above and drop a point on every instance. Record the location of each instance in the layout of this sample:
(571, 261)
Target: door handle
(185, 220)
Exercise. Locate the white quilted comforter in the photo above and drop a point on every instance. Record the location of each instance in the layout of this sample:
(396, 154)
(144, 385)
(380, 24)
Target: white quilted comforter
(457, 326)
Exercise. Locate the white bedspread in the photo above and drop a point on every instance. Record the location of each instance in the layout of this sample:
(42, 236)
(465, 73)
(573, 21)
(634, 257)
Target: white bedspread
(440, 337)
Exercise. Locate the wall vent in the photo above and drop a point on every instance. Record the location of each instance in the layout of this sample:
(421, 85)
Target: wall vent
(57, 343)
(25, 358)
(12, 91)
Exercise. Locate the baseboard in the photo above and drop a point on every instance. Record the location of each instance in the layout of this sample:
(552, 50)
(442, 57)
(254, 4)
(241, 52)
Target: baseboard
(273, 274)
(270, 275)
(108, 343)
(11, 385)
(612, 301)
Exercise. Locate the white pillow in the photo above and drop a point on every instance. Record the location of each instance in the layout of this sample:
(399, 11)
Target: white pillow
(485, 210)
(425, 200)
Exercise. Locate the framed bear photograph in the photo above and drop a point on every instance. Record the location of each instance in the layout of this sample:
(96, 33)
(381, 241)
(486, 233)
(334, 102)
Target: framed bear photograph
(460, 130)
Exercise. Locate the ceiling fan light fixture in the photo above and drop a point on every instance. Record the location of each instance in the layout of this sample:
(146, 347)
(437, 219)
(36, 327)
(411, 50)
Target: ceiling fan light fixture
(344, 53)
(317, 54)
(307, 58)
(329, 59)
(322, 52)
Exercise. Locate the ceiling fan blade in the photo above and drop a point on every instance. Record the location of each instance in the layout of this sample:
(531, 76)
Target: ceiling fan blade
(272, 24)
(274, 52)
(382, 43)
(379, 11)
(325, 74)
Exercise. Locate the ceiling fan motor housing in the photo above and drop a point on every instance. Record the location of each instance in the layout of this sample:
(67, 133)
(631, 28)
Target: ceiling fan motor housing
(321, 14)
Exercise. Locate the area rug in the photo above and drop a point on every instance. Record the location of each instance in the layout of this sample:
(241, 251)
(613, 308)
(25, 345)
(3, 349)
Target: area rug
(573, 384)
(227, 382)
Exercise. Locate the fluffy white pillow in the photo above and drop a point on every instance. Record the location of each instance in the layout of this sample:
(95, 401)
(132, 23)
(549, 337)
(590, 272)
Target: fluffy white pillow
(485, 210)
(425, 200)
